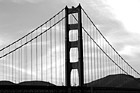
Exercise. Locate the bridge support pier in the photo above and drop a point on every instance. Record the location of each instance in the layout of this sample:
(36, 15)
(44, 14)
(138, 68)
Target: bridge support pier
(73, 44)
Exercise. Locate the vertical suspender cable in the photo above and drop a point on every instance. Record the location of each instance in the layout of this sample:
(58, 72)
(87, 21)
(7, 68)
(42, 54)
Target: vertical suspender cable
(63, 62)
(94, 67)
(15, 64)
(89, 49)
(9, 64)
(97, 56)
(51, 49)
(58, 64)
(21, 61)
(36, 57)
(18, 65)
(41, 56)
(60, 53)
(46, 53)
(91, 54)
(103, 61)
(18, 62)
(110, 60)
(87, 54)
(106, 60)
(55, 53)
(12, 67)
(3, 59)
(31, 60)
(86, 59)
(115, 65)
(100, 64)
(6, 67)
(99, 51)
(26, 62)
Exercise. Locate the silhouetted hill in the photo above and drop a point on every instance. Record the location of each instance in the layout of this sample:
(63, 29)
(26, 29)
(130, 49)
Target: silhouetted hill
(119, 80)
(31, 83)
(6, 83)
(36, 83)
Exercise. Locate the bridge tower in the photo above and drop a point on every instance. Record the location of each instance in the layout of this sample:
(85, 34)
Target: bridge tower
(73, 44)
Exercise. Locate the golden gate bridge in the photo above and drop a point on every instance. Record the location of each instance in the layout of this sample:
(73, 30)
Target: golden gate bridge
(66, 50)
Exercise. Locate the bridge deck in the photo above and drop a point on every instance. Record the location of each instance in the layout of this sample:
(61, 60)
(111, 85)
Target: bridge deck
(63, 89)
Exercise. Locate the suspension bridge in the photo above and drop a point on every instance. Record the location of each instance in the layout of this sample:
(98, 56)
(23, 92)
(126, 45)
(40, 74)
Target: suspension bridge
(66, 50)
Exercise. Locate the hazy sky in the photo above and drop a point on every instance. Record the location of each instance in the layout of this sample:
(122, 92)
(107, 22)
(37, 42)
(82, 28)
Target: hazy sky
(118, 20)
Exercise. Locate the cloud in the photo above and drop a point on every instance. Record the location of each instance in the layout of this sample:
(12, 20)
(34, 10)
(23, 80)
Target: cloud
(24, 1)
(127, 15)
(28, 1)
(1, 43)
(128, 50)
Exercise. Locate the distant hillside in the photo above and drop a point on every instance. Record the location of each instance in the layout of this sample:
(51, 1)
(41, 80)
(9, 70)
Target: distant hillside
(6, 83)
(33, 83)
(119, 80)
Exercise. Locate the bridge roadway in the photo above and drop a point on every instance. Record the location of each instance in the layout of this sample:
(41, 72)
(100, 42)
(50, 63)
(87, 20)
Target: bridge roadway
(63, 89)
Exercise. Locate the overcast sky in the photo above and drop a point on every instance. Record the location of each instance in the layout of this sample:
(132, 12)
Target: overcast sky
(118, 20)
